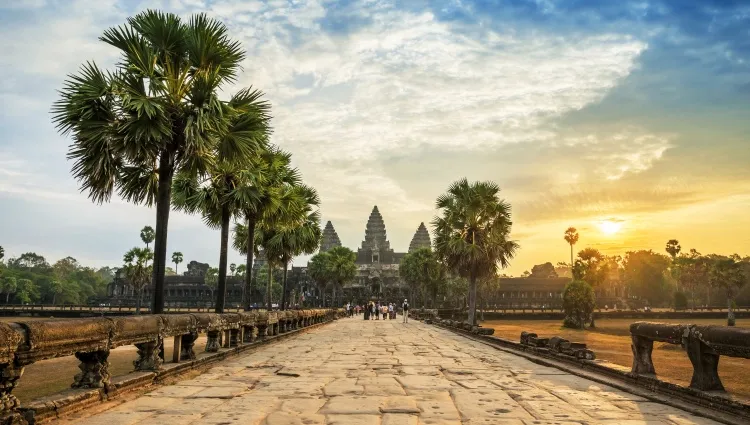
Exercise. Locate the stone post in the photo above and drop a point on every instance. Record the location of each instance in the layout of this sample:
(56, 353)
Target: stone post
(234, 337)
(262, 331)
(9, 376)
(705, 364)
(187, 344)
(212, 341)
(642, 348)
(148, 355)
(248, 335)
(94, 370)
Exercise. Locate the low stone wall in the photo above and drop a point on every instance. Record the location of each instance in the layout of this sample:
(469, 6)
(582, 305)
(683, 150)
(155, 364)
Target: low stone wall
(557, 314)
(576, 359)
(91, 339)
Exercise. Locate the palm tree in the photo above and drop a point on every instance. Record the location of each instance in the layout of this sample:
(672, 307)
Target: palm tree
(176, 259)
(147, 235)
(319, 270)
(342, 268)
(473, 233)
(264, 235)
(571, 236)
(217, 194)
(673, 248)
(157, 114)
(263, 191)
(298, 230)
(137, 271)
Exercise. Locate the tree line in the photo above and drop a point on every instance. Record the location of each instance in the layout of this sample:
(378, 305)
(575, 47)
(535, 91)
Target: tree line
(29, 278)
(644, 277)
(156, 132)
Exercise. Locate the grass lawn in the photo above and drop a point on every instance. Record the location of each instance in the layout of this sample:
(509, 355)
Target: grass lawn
(611, 341)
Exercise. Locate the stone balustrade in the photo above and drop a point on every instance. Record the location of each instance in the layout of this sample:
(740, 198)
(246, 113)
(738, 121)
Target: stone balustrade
(90, 340)
(704, 346)
(557, 345)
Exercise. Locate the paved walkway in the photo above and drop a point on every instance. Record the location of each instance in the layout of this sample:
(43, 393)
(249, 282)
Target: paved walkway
(354, 372)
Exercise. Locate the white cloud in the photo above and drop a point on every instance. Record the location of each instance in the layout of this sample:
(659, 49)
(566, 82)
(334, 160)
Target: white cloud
(629, 151)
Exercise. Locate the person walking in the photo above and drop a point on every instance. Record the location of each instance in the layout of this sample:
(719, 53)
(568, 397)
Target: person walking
(405, 308)
(390, 311)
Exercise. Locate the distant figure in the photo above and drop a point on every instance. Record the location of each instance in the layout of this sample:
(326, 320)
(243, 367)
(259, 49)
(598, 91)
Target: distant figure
(390, 311)
(405, 307)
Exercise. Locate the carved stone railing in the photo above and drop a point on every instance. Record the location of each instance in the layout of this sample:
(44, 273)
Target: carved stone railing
(557, 345)
(704, 346)
(90, 340)
(464, 326)
(425, 314)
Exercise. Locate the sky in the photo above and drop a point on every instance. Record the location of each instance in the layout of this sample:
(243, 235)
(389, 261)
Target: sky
(627, 120)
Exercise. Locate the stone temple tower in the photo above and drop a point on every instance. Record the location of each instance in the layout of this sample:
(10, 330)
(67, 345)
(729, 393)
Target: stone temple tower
(375, 237)
(421, 239)
(329, 238)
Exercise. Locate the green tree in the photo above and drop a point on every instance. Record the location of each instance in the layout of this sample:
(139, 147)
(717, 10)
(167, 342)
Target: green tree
(241, 269)
(137, 271)
(217, 193)
(264, 191)
(319, 271)
(147, 235)
(571, 237)
(578, 303)
(57, 288)
(211, 280)
(673, 248)
(421, 270)
(473, 233)
(176, 259)
(644, 274)
(27, 291)
(159, 112)
(10, 285)
(729, 274)
(342, 268)
(544, 271)
(692, 272)
(593, 268)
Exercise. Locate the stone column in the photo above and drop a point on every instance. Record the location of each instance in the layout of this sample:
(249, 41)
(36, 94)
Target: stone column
(188, 342)
(705, 364)
(148, 355)
(212, 342)
(642, 348)
(94, 370)
(9, 376)
(262, 331)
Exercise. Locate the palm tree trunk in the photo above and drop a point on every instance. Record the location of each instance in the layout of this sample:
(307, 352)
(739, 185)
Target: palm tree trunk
(249, 262)
(222, 285)
(571, 259)
(163, 205)
(138, 302)
(7, 297)
(54, 297)
(730, 312)
(472, 298)
(268, 287)
(283, 286)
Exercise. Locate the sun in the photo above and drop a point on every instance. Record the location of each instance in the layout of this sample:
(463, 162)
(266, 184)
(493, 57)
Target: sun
(609, 227)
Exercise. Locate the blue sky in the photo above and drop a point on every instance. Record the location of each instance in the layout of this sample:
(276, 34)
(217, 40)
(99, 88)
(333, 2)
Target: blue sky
(634, 112)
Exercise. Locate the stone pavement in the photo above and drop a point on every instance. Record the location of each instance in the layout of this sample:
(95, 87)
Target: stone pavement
(353, 372)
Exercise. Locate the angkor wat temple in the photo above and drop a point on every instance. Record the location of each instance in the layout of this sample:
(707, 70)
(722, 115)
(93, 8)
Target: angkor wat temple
(377, 273)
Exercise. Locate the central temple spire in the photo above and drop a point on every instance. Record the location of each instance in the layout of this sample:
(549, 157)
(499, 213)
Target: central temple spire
(375, 235)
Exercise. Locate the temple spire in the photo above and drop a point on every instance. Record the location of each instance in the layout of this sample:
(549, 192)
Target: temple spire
(330, 238)
(375, 234)
(421, 239)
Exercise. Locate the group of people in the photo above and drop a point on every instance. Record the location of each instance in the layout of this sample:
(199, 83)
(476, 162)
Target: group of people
(374, 310)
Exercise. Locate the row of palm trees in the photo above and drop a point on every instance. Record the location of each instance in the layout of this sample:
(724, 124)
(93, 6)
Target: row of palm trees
(156, 132)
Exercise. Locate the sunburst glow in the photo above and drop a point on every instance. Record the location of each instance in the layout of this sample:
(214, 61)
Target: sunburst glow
(609, 227)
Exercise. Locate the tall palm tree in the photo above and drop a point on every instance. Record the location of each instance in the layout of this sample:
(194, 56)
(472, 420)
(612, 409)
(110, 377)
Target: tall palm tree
(147, 235)
(473, 234)
(673, 248)
(342, 269)
(319, 271)
(156, 114)
(571, 236)
(176, 259)
(298, 230)
(264, 193)
(137, 271)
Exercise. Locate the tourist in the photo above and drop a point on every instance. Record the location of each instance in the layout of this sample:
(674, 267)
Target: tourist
(384, 310)
(390, 311)
(405, 308)
(372, 311)
(376, 310)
